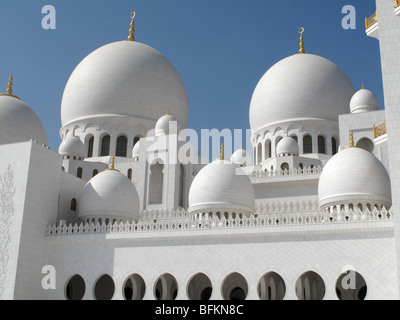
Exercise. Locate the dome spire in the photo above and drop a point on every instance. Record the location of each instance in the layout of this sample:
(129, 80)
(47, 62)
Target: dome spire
(112, 167)
(132, 29)
(222, 157)
(302, 50)
(9, 88)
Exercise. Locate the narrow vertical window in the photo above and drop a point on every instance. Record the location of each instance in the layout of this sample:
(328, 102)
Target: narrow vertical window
(307, 144)
(156, 183)
(79, 172)
(334, 146)
(122, 144)
(105, 146)
(90, 147)
(73, 204)
(321, 145)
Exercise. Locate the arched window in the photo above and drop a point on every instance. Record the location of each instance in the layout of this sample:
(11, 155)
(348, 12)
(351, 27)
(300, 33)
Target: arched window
(90, 147)
(321, 145)
(285, 167)
(294, 137)
(95, 171)
(334, 146)
(79, 172)
(129, 175)
(310, 286)
(156, 183)
(307, 144)
(122, 144)
(73, 204)
(105, 146)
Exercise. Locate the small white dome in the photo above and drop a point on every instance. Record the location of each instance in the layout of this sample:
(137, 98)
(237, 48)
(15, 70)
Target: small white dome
(72, 146)
(221, 186)
(300, 87)
(241, 157)
(135, 150)
(109, 195)
(19, 123)
(165, 123)
(287, 146)
(363, 101)
(354, 176)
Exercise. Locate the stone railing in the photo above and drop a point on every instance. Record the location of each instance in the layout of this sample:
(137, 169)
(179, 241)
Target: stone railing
(260, 174)
(251, 221)
(287, 207)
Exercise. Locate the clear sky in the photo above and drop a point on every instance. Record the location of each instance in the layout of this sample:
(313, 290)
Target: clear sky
(221, 48)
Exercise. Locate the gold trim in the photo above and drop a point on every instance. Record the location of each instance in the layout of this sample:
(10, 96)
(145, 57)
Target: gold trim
(397, 3)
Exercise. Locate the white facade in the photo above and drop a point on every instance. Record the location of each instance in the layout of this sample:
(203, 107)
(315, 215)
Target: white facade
(119, 212)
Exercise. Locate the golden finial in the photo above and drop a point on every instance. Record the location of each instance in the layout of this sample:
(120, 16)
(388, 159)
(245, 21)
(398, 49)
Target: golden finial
(363, 86)
(168, 112)
(10, 83)
(112, 167)
(9, 88)
(351, 144)
(301, 31)
(351, 139)
(132, 29)
(222, 152)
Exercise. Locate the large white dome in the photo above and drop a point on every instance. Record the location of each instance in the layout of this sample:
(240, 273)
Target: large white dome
(19, 123)
(124, 78)
(354, 176)
(300, 87)
(221, 186)
(109, 195)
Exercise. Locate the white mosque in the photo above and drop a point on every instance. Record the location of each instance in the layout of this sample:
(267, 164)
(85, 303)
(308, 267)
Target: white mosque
(118, 213)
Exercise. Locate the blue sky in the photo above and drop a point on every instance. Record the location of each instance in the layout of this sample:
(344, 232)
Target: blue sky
(221, 48)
